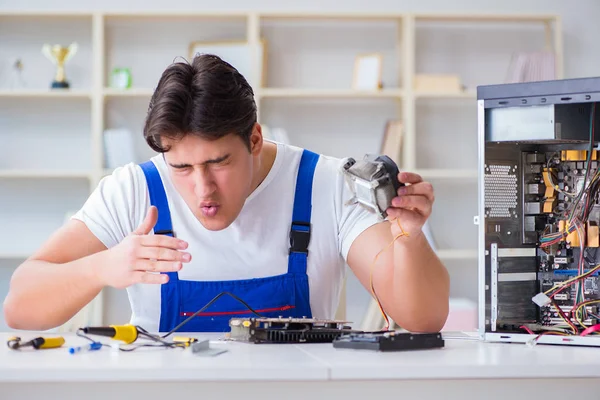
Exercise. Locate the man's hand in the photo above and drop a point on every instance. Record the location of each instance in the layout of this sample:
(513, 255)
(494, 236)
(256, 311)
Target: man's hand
(413, 205)
(140, 257)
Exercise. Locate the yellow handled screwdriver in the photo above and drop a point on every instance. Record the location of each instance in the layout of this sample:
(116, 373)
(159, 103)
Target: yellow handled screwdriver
(15, 342)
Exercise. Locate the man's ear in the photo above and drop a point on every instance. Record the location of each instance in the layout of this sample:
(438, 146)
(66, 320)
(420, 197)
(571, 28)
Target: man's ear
(256, 139)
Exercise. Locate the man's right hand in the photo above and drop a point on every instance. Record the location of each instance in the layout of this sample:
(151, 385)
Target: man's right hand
(140, 257)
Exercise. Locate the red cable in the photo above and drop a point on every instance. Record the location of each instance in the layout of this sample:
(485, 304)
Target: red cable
(527, 329)
(591, 329)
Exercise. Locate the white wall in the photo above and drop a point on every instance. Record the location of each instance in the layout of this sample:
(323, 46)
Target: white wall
(582, 58)
(579, 17)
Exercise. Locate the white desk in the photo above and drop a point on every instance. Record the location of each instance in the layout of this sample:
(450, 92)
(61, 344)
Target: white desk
(464, 369)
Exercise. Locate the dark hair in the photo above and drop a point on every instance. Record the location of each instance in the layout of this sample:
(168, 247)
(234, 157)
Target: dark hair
(208, 98)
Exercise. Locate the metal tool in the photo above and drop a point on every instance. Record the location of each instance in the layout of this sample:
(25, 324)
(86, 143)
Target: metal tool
(15, 342)
(373, 182)
(203, 349)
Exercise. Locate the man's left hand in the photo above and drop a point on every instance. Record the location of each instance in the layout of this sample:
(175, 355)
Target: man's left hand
(413, 205)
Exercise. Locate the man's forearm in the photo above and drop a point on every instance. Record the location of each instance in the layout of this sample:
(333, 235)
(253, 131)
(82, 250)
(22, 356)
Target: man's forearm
(420, 287)
(44, 295)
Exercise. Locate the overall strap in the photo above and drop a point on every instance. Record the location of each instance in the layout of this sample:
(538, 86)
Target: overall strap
(158, 198)
(300, 230)
(169, 292)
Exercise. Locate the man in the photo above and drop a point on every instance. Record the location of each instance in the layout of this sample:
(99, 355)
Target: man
(214, 211)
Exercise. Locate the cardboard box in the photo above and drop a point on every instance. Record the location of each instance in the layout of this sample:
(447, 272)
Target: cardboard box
(437, 83)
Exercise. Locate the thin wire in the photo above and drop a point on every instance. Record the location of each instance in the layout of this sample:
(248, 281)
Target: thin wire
(385, 317)
(591, 329)
(549, 333)
(144, 333)
(584, 188)
(585, 303)
(570, 282)
(595, 316)
(80, 333)
(564, 317)
(163, 345)
(554, 185)
(576, 207)
(527, 329)
(160, 342)
(205, 307)
(579, 290)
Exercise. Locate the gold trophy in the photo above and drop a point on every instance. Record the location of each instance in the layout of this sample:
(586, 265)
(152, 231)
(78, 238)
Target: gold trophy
(59, 55)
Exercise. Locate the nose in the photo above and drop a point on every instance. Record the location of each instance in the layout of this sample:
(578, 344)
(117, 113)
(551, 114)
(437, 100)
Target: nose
(204, 184)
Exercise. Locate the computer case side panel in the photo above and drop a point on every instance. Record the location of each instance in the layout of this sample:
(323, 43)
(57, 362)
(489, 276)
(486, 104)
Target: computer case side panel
(480, 219)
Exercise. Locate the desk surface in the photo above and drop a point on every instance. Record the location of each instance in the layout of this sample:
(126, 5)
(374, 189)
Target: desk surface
(460, 359)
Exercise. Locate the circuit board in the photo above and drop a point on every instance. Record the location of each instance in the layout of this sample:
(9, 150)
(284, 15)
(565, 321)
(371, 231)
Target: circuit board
(287, 330)
(542, 225)
(566, 191)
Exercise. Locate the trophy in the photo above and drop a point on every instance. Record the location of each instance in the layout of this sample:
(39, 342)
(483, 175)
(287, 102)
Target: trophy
(16, 80)
(59, 55)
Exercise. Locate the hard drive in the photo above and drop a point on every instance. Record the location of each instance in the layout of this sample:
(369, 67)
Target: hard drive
(389, 341)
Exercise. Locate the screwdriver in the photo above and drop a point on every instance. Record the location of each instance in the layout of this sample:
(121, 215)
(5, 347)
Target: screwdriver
(37, 343)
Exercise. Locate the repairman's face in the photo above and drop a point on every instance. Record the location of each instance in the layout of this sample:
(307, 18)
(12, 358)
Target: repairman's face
(214, 177)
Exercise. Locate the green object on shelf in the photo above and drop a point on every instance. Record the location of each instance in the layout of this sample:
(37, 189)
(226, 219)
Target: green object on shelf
(121, 78)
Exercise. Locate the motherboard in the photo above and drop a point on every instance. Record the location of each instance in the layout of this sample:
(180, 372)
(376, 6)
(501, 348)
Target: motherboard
(287, 330)
(542, 228)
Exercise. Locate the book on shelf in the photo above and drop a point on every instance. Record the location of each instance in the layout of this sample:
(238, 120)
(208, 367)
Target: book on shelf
(531, 67)
(391, 145)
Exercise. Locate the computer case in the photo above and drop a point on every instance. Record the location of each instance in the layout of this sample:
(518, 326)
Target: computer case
(539, 212)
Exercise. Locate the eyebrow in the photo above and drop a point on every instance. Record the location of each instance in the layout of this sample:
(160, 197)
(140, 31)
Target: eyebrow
(211, 161)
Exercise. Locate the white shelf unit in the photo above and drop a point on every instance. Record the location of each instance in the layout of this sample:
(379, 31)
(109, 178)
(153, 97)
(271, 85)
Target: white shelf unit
(442, 135)
(42, 173)
(33, 93)
(328, 93)
(38, 187)
(467, 94)
(142, 93)
(307, 90)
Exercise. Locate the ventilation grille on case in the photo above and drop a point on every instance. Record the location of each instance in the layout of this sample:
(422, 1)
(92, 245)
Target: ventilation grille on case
(500, 191)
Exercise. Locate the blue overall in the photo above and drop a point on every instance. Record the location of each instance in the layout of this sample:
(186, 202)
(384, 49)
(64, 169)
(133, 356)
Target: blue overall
(281, 295)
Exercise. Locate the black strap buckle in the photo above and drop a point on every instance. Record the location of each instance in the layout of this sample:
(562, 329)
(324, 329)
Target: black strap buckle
(299, 239)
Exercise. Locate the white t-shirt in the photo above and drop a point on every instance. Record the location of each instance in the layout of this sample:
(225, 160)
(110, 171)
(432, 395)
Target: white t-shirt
(255, 245)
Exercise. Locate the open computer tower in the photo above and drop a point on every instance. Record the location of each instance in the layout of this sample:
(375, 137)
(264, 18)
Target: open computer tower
(539, 212)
